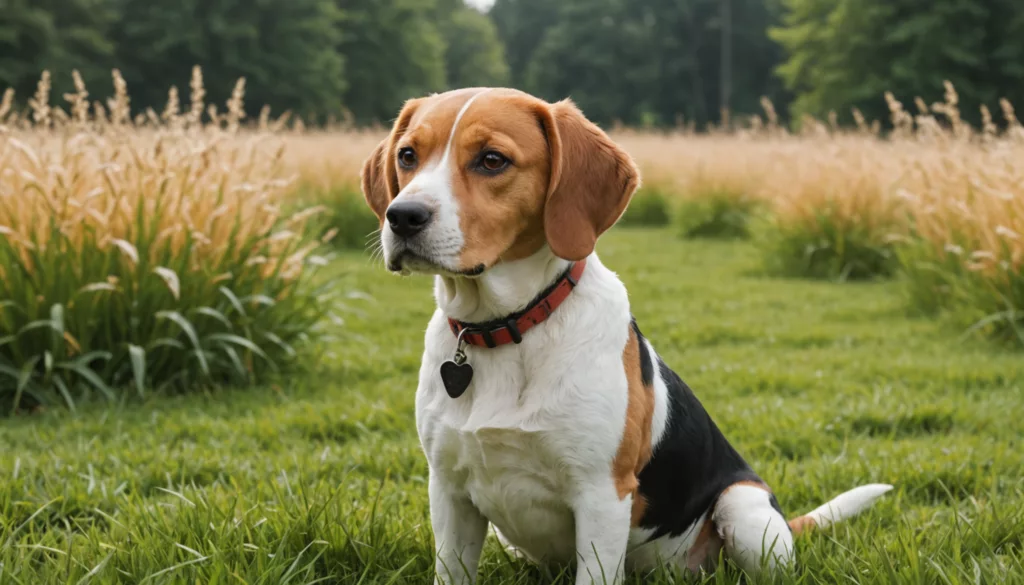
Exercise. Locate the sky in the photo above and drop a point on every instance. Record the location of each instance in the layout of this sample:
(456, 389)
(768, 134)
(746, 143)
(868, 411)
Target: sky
(481, 4)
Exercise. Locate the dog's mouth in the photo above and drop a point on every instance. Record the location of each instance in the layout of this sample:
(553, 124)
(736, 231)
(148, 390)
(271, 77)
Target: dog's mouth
(408, 261)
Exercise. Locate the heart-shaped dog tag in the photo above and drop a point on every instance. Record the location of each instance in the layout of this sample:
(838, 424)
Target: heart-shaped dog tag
(456, 377)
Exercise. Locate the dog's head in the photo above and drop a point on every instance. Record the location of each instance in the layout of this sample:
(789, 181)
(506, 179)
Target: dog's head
(474, 177)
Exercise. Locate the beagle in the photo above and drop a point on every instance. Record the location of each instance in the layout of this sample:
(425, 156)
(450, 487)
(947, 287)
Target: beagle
(541, 408)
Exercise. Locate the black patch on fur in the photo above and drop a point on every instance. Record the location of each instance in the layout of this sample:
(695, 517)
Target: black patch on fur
(691, 465)
(646, 363)
(775, 504)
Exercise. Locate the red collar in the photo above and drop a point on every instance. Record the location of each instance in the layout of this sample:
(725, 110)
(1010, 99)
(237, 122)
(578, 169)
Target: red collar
(512, 328)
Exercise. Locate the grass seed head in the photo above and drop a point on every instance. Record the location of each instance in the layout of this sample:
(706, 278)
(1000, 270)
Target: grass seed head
(40, 102)
(169, 219)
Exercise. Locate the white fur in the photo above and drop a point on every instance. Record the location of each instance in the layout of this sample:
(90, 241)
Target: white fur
(528, 447)
(503, 289)
(848, 504)
(753, 531)
(532, 440)
(459, 531)
(441, 243)
(530, 444)
(659, 420)
(669, 550)
(455, 124)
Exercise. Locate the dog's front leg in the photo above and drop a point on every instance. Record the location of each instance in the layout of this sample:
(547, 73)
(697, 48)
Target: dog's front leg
(459, 532)
(602, 533)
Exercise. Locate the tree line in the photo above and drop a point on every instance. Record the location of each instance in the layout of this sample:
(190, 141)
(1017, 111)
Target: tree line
(639, 62)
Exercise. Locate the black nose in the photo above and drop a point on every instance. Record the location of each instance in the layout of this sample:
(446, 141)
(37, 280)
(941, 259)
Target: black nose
(408, 218)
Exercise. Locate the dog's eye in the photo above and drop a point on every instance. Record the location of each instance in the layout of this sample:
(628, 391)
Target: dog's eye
(492, 162)
(406, 157)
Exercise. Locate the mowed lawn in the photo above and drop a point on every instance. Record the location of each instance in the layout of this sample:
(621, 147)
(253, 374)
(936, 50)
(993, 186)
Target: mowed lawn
(319, 478)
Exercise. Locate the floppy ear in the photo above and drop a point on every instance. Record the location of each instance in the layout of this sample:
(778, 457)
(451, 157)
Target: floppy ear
(592, 180)
(379, 177)
(373, 177)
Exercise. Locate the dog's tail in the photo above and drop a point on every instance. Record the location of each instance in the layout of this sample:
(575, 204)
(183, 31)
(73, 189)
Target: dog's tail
(843, 506)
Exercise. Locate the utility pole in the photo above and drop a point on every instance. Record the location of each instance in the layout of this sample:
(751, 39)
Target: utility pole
(725, 76)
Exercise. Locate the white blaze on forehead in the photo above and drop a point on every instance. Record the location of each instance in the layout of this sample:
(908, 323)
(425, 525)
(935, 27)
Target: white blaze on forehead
(435, 180)
(455, 126)
(442, 240)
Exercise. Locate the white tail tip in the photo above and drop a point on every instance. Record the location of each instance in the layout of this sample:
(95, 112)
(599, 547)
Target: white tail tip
(848, 504)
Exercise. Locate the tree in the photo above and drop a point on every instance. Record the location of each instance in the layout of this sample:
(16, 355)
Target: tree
(474, 56)
(687, 39)
(637, 61)
(597, 56)
(847, 53)
(393, 51)
(401, 49)
(756, 56)
(286, 50)
(59, 36)
(521, 26)
(26, 33)
(649, 61)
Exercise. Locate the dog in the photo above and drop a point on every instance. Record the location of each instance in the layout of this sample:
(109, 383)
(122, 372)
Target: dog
(541, 408)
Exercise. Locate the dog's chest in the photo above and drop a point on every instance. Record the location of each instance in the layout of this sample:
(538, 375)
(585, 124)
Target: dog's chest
(507, 451)
(513, 478)
(539, 420)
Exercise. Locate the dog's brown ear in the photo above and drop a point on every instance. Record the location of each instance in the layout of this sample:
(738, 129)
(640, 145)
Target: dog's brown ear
(374, 180)
(592, 180)
(379, 176)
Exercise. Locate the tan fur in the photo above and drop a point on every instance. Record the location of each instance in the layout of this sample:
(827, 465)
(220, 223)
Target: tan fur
(567, 184)
(592, 182)
(372, 177)
(635, 449)
(706, 547)
(756, 484)
(379, 175)
(502, 216)
(638, 509)
(802, 524)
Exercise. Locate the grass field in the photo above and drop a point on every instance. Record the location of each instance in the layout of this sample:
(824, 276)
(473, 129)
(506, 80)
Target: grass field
(320, 479)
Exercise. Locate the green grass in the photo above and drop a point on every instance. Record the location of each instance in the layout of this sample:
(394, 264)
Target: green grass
(345, 216)
(85, 318)
(649, 207)
(716, 214)
(941, 281)
(828, 247)
(320, 478)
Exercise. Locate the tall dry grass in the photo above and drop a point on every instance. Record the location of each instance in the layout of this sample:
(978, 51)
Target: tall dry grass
(965, 194)
(931, 197)
(175, 249)
(933, 177)
(934, 198)
(327, 164)
(145, 253)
